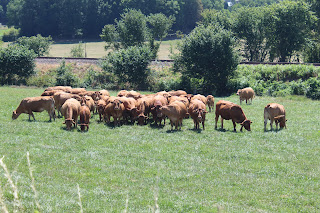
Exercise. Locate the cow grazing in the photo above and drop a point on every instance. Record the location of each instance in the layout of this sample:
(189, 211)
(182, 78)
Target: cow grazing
(228, 110)
(115, 109)
(210, 102)
(246, 94)
(61, 97)
(197, 111)
(84, 117)
(70, 110)
(35, 104)
(175, 111)
(158, 102)
(275, 112)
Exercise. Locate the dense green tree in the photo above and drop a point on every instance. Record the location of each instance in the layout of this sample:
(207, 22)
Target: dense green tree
(220, 17)
(288, 26)
(208, 55)
(248, 27)
(213, 4)
(9, 68)
(38, 44)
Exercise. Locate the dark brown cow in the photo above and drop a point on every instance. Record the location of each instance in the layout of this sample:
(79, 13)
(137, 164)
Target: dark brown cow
(228, 110)
(275, 112)
(197, 111)
(35, 104)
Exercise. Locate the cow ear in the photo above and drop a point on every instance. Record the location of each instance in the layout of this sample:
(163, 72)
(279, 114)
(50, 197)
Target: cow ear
(251, 122)
(120, 101)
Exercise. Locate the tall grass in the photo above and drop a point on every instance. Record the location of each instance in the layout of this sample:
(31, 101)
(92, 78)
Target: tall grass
(150, 168)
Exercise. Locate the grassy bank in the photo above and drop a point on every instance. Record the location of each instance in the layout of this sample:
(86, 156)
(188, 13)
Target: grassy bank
(137, 168)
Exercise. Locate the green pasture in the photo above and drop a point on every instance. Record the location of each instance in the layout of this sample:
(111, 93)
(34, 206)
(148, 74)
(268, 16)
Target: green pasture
(148, 168)
(97, 50)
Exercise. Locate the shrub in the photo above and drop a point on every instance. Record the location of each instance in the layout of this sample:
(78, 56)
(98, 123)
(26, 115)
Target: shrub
(16, 64)
(207, 58)
(298, 87)
(313, 88)
(40, 79)
(65, 76)
(40, 45)
(11, 35)
(130, 65)
(77, 51)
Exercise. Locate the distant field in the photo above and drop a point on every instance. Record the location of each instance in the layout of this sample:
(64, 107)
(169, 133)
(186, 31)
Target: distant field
(96, 49)
(2, 30)
(137, 168)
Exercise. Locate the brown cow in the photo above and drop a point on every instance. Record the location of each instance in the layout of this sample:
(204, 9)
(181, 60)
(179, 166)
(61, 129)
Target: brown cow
(115, 109)
(62, 88)
(175, 111)
(130, 109)
(70, 110)
(200, 97)
(229, 110)
(210, 102)
(35, 104)
(197, 111)
(90, 103)
(122, 93)
(133, 94)
(61, 97)
(84, 117)
(101, 104)
(177, 93)
(158, 102)
(275, 112)
(143, 108)
(50, 92)
(78, 90)
(246, 94)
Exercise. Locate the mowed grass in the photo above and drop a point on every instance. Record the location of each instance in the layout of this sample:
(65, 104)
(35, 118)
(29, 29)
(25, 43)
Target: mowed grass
(97, 50)
(137, 168)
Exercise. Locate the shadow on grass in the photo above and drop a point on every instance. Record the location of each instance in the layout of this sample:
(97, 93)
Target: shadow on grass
(273, 130)
(196, 130)
(156, 126)
(173, 131)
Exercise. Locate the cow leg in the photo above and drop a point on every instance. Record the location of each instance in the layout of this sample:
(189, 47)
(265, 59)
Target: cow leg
(217, 118)
(203, 125)
(221, 123)
(171, 125)
(31, 113)
(234, 126)
(265, 124)
(271, 121)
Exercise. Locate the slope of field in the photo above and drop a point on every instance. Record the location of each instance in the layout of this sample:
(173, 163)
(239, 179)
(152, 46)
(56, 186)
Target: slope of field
(145, 168)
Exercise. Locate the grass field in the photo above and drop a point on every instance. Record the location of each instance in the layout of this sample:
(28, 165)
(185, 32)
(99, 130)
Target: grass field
(145, 168)
(96, 49)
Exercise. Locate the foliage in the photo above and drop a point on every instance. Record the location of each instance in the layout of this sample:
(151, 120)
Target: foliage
(39, 44)
(77, 51)
(65, 76)
(212, 17)
(313, 88)
(288, 25)
(248, 26)
(311, 53)
(207, 54)
(16, 63)
(130, 65)
(213, 4)
(11, 34)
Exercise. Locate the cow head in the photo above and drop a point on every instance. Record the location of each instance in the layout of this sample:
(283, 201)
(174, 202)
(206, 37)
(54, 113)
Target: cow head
(14, 115)
(281, 119)
(246, 125)
(141, 119)
(239, 91)
(83, 127)
(116, 104)
(68, 123)
(200, 114)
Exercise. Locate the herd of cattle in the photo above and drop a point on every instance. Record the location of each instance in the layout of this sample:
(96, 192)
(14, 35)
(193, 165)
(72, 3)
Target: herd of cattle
(131, 106)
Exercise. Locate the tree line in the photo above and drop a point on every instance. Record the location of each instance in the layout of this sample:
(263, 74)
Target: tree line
(86, 18)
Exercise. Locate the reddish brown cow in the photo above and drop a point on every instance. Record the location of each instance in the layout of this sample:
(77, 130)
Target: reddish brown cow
(200, 97)
(84, 117)
(122, 93)
(70, 110)
(62, 88)
(158, 102)
(197, 111)
(61, 97)
(177, 93)
(130, 109)
(50, 92)
(175, 111)
(101, 104)
(275, 112)
(210, 102)
(35, 104)
(246, 94)
(229, 110)
(143, 108)
(77, 90)
(115, 109)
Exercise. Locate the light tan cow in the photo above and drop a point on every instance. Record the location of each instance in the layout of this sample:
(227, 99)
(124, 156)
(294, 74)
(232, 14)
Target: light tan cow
(70, 111)
(246, 94)
(197, 111)
(35, 104)
(176, 112)
(210, 102)
(274, 112)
